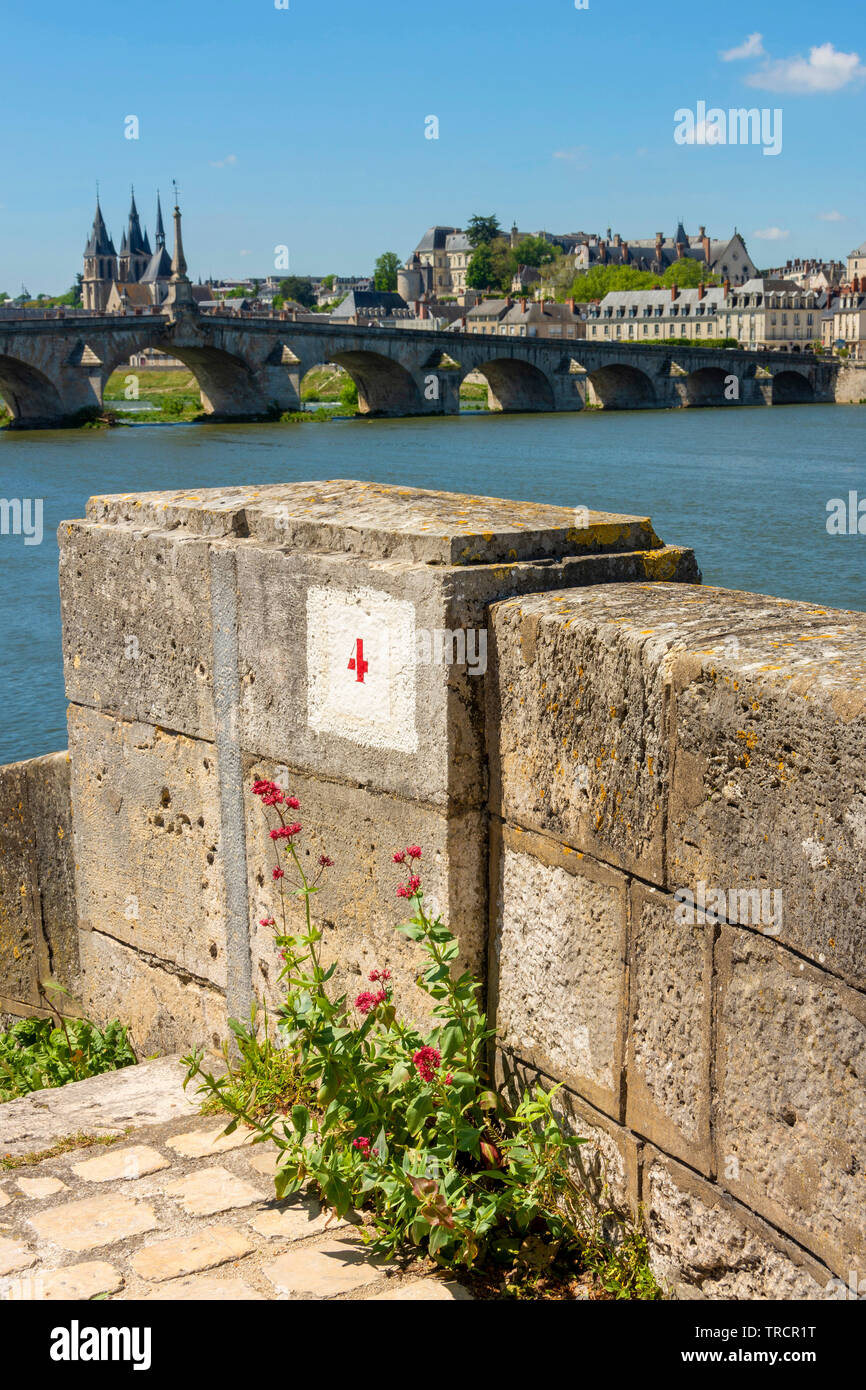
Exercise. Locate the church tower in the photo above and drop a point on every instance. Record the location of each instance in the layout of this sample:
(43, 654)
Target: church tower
(135, 252)
(100, 265)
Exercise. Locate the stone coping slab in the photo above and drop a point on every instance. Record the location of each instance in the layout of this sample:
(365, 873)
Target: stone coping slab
(381, 522)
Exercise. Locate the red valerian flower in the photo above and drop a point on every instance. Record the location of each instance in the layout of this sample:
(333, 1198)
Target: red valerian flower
(399, 856)
(293, 802)
(325, 861)
(365, 1002)
(448, 1079)
(427, 1060)
(403, 891)
(278, 873)
(362, 1144)
(286, 832)
(379, 975)
(414, 851)
(414, 883)
(267, 922)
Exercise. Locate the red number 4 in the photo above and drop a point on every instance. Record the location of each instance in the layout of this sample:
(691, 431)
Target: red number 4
(357, 662)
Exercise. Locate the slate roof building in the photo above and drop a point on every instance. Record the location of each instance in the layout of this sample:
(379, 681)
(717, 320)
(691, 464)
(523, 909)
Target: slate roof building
(728, 258)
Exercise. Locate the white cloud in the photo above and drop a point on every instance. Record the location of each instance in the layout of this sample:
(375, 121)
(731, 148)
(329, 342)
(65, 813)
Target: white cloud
(771, 234)
(833, 216)
(224, 163)
(577, 155)
(825, 70)
(750, 48)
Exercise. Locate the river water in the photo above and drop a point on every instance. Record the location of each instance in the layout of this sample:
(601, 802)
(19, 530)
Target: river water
(748, 488)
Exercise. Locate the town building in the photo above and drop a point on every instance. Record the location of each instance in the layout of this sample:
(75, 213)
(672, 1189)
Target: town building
(770, 313)
(761, 314)
(525, 318)
(655, 315)
(727, 258)
(843, 322)
(809, 274)
(857, 263)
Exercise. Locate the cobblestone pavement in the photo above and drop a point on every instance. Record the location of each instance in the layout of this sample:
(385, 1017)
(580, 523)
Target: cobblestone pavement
(171, 1210)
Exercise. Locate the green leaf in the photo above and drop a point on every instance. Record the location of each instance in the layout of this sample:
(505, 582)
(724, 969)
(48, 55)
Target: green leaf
(300, 1119)
(418, 1110)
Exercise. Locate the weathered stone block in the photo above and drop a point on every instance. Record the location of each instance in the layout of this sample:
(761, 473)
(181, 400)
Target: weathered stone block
(20, 934)
(557, 964)
(669, 1046)
(147, 841)
(165, 1010)
(703, 1244)
(137, 628)
(357, 904)
(767, 803)
(38, 928)
(792, 1103)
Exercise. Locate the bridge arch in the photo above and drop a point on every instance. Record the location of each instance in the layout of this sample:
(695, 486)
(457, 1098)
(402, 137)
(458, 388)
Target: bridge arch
(29, 393)
(228, 385)
(513, 384)
(791, 387)
(620, 386)
(385, 387)
(706, 386)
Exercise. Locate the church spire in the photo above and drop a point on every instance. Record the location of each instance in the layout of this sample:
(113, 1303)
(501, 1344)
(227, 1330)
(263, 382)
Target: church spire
(179, 289)
(160, 229)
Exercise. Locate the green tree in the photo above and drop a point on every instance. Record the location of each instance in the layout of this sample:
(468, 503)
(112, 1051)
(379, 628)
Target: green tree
(299, 288)
(385, 271)
(482, 230)
(492, 266)
(328, 281)
(534, 250)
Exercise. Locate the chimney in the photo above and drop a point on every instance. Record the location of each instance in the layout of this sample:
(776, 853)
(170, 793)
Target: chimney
(702, 289)
(726, 286)
(617, 241)
(602, 252)
(570, 303)
(673, 293)
(509, 302)
(523, 306)
(625, 253)
(706, 242)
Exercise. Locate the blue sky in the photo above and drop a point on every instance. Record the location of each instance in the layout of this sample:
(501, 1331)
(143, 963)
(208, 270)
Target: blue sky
(305, 126)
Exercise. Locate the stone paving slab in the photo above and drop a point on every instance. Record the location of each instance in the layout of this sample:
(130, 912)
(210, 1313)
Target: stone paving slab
(155, 1217)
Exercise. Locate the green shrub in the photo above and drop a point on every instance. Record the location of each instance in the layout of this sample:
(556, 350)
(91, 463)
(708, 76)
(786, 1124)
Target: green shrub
(41, 1052)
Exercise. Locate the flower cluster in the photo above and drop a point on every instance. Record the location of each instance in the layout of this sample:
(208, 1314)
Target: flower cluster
(285, 832)
(272, 795)
(411, 852)
(427, 1061)
(362, 1144)
(379, 975)
(367, 1001)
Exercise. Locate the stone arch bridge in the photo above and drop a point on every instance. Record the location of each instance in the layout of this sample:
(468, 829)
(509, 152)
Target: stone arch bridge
(54, 368)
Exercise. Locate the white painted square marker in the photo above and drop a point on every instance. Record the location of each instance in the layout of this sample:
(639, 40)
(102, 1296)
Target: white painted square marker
(361, 667)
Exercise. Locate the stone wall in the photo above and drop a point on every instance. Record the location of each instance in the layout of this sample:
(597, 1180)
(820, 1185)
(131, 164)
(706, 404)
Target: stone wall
(38, 927)
(678, 912)
(210, 639)
(645, 820)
